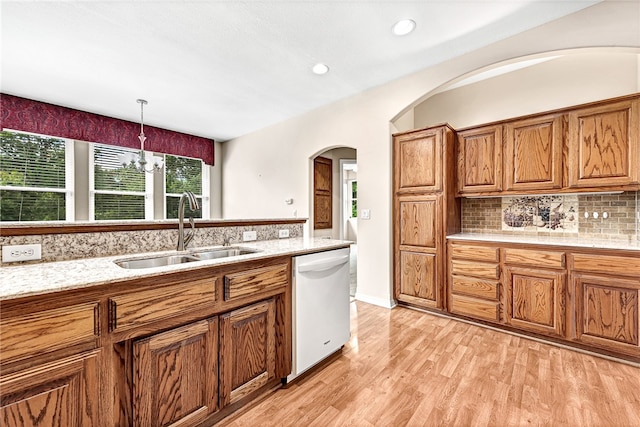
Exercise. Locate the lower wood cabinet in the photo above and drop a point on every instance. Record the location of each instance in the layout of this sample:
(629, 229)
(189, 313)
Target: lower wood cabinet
(175, 380)
(589, 297)
(474, 282)
(60, 393)
(536, 300)
(607, 312)
(247, 350)
(418, 279)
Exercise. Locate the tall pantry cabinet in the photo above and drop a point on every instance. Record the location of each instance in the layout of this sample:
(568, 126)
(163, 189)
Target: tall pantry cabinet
(425, 210)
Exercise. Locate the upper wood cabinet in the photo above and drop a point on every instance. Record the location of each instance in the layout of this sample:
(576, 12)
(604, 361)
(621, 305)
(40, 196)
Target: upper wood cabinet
(603, 144)
(595, 147)
(418, 161)
(533, 153)
(480, 160)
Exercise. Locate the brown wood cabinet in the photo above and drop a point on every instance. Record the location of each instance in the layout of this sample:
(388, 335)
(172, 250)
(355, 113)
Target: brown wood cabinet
(417, 168)
(176, 349)
(425, 210)
(474, 282)
(606, 299)
(536, 300)
(480, 160)
(248, 350)
(64, 392)
(583, 296)
(603, 144)
(175, 379)
(533, 153)
(535, 283)
(593, 147)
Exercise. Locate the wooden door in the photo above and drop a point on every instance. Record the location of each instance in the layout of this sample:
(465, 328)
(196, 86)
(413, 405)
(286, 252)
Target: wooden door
(607, 312)
(536, 300)
(175, 379)
(61, 393)
(480, 160)
(603, 145)
(533, 154)
(247, 350)
(417, 159)
(322, 193)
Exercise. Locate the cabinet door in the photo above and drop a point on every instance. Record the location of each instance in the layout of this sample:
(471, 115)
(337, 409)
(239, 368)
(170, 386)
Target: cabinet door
(62, 393)
(175, 378)
(533, 153)
(247, 350)
(418, 161)
(536, 300)
(417, 222)
(418, 279)
(480, 160)
(603, 145)
(607, 312)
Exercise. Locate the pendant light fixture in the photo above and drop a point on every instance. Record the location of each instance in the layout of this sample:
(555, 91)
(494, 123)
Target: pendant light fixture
(139, 160)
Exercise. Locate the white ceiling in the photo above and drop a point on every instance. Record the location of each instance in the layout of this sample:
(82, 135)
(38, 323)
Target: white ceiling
(221, 69)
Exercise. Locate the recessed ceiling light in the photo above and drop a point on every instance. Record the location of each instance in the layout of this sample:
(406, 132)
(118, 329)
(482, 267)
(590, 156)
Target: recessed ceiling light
(320, 69)
(403, 27)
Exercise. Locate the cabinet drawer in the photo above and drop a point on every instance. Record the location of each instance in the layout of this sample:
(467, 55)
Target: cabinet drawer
(476, 308)
(475, 269)
(47, 331)
(238, 285)
(629, 266)
(534, 258)
(475, 253)
(475, 287)
(144, 307)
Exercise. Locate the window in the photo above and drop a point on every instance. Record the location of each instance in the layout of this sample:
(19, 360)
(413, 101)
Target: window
(36, 178)
(185, 174)
(353, 185)
(118, 191)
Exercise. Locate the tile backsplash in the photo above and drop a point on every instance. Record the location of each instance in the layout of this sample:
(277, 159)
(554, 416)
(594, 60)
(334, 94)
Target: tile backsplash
(559, 215)
(62, 247)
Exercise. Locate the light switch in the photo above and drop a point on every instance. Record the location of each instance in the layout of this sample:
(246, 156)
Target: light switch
(365, 214)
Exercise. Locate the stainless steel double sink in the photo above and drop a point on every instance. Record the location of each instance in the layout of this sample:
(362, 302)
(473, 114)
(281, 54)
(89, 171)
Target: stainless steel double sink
(194, 256)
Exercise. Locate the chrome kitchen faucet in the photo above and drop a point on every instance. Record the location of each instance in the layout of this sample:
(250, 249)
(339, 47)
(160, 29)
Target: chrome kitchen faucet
(193, 205)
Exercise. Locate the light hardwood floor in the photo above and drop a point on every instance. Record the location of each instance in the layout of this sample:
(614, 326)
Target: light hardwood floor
(404, 367)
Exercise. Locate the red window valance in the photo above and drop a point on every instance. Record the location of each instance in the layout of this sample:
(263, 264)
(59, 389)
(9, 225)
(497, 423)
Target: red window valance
(47, 119)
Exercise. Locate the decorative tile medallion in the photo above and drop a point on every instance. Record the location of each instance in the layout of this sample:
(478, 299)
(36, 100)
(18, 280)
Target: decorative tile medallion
(540, 213)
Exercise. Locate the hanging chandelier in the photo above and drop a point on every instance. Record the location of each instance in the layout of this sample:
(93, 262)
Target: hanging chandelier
(138, 160)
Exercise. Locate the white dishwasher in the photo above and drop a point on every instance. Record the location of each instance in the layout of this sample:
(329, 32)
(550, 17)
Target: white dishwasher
(320, 307)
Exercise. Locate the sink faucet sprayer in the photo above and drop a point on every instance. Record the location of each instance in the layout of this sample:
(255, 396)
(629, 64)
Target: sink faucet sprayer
(193, 205)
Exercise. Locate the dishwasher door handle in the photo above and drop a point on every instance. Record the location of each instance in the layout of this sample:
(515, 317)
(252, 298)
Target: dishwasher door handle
(323, 264)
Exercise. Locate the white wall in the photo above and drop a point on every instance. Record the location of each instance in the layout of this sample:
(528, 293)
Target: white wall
(561, 82)
(263, 168)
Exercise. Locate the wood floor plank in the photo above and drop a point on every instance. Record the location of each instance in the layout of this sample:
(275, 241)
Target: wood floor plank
(403, 367)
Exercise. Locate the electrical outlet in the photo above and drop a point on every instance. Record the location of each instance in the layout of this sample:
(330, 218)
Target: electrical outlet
(249, 235)
(15, 253)
(283, 234)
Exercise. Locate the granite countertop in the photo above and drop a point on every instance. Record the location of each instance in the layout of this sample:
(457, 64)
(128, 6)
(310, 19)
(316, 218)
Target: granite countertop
(633, 245)
(26, 280)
